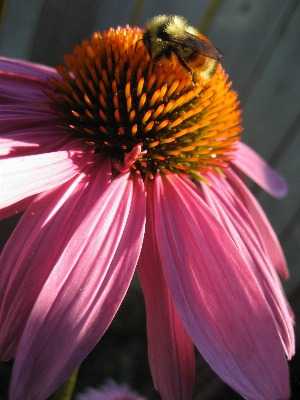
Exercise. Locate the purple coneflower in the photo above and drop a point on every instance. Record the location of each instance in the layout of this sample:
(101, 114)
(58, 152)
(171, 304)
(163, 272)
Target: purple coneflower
(121, 163)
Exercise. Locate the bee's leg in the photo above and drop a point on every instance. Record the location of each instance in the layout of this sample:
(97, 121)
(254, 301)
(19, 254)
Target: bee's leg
(185, 66)
(166, 53)
(149, 51)
(157, 57)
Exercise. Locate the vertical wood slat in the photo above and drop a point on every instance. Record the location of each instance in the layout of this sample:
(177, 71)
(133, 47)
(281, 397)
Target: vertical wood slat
(62, 24)
(240, 30)
(19, 25)
(271, 121)
(273, 103)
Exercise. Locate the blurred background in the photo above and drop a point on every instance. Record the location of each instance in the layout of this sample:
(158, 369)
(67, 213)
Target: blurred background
(260, 41)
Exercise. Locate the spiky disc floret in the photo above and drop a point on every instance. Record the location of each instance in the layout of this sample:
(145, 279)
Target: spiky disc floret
(112, 94)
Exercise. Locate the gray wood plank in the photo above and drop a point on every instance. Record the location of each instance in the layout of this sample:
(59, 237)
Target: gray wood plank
(61, 25)
(19, 27)
(274, 102)
(284, 214)
(113, 13)
(240, 30)
(291, 249)
(190, 9)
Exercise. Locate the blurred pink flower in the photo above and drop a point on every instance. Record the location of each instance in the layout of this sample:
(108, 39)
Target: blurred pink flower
(110, 391)
(205, 252)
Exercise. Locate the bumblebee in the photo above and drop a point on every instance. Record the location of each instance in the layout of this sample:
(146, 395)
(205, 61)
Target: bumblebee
(166, 35)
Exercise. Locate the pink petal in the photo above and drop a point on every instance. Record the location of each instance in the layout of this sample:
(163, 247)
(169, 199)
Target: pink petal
(16, 117)
(41, 138)
(86, 286)
(15, 208)
(248, 161)
(217, 295)
(237, 221)
(24, 176)
(17, 89)
(49, 214)
(170, 349)
(38, 71)
(270, 240)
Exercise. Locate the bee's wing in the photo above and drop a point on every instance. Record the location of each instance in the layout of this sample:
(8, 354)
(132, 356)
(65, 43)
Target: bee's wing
(198, 45)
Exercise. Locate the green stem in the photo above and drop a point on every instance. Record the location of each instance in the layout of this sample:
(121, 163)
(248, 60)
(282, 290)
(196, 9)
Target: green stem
(137, 11)
(209, 15)
(65, 391)
(3, 6)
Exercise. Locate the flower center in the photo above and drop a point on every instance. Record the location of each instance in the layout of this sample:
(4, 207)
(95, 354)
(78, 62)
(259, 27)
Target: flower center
(112, 94)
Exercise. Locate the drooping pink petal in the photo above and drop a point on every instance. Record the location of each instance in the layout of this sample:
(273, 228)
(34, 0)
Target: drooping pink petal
(217, 295)
(271, 243)
(245, 235)
(170, 349)
(85, 288)
(24, 176)
(248, 161)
